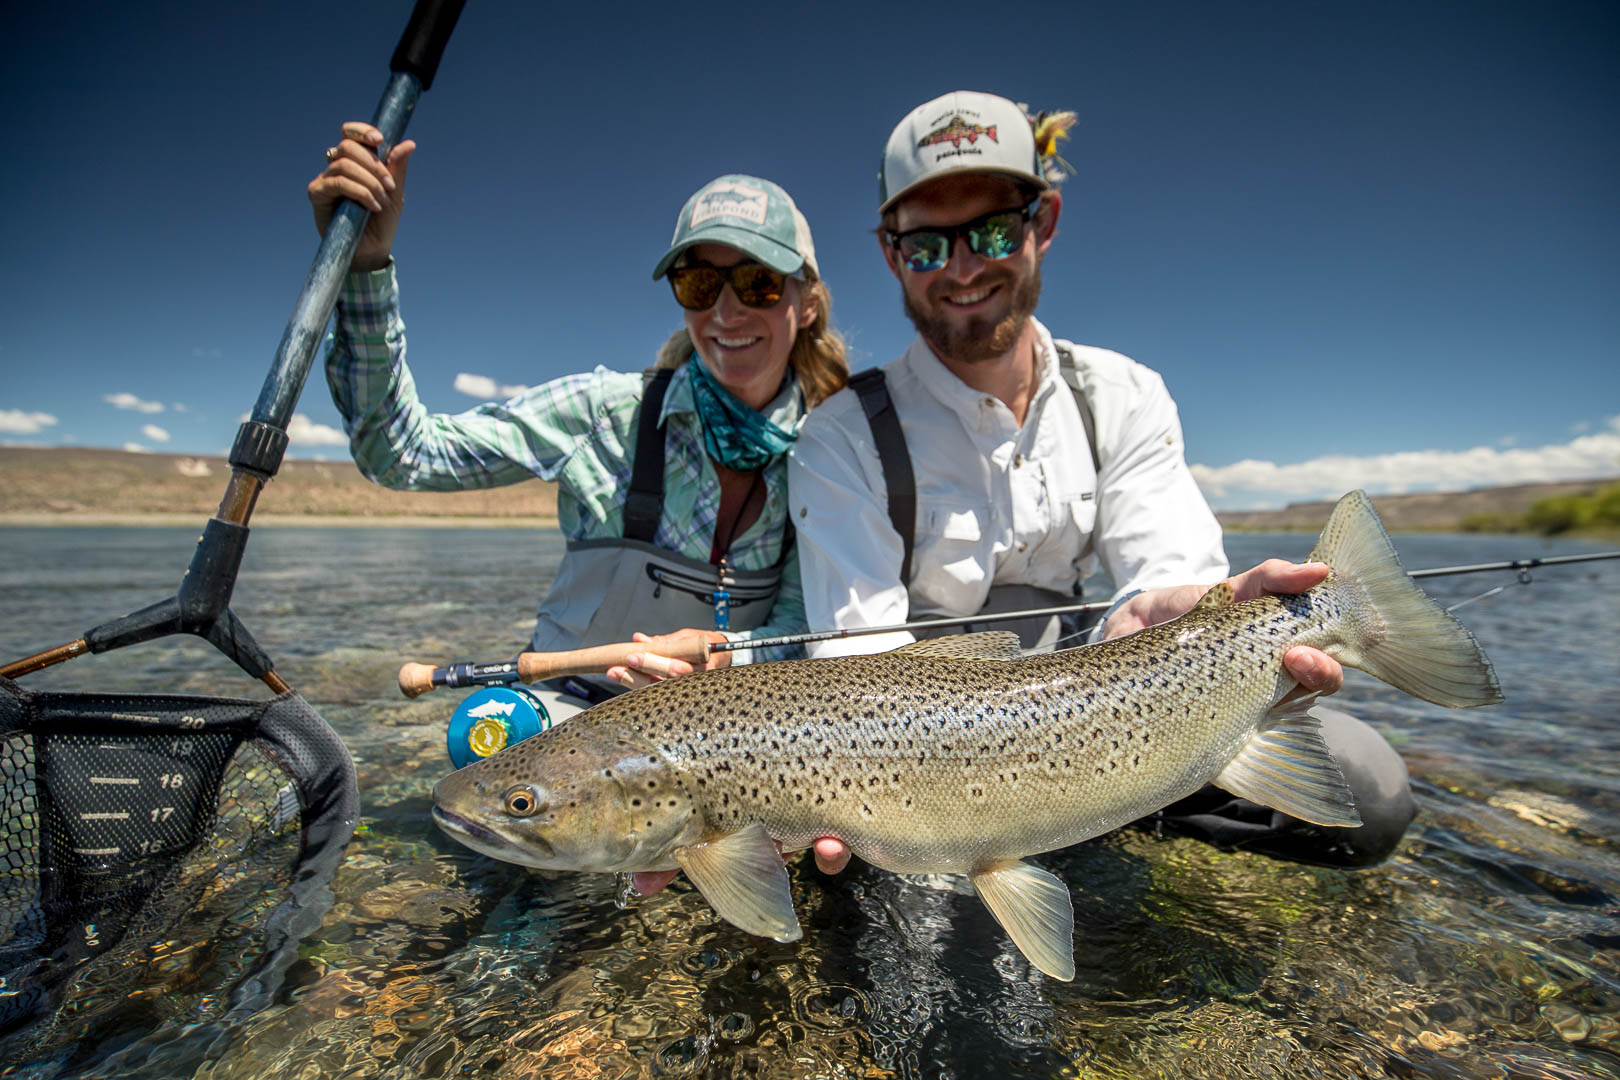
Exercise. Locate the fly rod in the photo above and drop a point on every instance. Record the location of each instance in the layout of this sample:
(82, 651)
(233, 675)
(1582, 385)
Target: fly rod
(417, 679)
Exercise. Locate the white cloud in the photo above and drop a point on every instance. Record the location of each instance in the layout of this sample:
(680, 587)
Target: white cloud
(1254, 484)
(482, 386)
(179, 407)
(155, 433)
(136, 448)
(125, 400)
(17, 422)
(305, 432)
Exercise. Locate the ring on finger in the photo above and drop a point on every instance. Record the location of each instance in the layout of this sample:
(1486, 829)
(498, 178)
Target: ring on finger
(331, 153)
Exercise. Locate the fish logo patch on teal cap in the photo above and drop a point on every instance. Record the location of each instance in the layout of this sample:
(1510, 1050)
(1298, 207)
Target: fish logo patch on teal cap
(752, 215)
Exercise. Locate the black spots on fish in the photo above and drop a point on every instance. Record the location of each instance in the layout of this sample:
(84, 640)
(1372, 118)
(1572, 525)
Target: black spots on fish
(844, 783)
(977, 793)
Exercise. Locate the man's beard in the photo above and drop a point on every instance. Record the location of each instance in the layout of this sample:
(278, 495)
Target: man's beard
(979, 339)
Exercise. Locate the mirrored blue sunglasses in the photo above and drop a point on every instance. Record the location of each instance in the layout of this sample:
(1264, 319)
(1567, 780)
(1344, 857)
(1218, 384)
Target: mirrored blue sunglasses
(995, 236)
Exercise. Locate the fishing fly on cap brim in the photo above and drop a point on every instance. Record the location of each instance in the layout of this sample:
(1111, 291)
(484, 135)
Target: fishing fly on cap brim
(1049, 127)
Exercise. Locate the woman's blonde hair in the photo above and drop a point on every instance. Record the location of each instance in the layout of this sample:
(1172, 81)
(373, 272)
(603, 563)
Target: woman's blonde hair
(817, 357)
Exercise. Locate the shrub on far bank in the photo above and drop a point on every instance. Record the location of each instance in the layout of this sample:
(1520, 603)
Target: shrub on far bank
(1491, 523)
(1564, 513)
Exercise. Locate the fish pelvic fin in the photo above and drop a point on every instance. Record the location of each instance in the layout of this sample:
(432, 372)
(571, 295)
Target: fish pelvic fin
(1415, 645)
(986, 645)
(743, 878)
(1033, 906)
(1287, 766)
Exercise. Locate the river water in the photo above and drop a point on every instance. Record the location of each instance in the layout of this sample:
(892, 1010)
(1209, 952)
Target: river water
(1489, 946)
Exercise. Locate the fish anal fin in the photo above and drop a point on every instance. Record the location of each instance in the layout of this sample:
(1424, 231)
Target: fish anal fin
(986, 645)
(743, 878)
(1218, 596)
(1033, 906)
(1287, 766)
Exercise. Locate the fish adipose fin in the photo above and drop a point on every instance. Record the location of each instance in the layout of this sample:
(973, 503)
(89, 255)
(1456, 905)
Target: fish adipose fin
(1218, 596)
(1033, 907)
(987, 645)
(742, 877)
(1287, 766)
(1414, 644)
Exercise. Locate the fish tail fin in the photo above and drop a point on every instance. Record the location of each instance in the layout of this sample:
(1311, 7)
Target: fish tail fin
(1406, 639)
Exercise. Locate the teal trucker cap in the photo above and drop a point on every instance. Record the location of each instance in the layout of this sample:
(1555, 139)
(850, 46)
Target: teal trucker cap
(752, 215)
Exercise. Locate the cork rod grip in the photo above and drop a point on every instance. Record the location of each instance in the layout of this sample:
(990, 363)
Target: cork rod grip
(534, 666)
(417, 679)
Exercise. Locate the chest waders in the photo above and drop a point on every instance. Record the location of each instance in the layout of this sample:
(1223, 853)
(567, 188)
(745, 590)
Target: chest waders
(607, 589)
(895, 459)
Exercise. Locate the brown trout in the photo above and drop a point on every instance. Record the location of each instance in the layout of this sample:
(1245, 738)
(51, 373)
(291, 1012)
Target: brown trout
(956, 755)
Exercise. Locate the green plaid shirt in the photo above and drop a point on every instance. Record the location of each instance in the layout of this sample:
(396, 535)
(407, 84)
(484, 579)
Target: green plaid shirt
(579, 431)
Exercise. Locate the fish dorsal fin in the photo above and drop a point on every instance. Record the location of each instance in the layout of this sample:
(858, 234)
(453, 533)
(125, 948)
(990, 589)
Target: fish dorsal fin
(1286, 765)
(1033, 906)
(742, 877)
(1217, 597)
(986, 645)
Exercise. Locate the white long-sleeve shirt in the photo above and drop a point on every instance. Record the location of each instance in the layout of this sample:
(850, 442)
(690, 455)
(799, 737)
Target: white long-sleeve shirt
(997, 503)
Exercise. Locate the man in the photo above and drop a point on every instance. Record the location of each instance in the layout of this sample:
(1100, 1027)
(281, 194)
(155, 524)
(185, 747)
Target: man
(992, 466)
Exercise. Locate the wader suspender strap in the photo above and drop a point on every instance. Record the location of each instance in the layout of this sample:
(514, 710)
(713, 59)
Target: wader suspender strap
(645, 503)
(1071, 375)
(895, 459)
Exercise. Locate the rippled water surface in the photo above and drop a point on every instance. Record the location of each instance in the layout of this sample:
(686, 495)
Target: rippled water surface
(1488, 947)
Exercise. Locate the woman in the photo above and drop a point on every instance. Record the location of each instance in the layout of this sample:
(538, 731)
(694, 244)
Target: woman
(671, 488)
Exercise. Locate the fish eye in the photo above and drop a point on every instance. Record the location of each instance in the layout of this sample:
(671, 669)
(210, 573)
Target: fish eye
(522, 801)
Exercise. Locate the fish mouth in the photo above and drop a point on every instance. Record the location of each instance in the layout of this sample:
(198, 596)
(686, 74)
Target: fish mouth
(459, 827)
(529, 851)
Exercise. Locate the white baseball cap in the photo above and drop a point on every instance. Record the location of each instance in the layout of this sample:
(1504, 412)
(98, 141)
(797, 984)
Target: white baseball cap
(963, 131)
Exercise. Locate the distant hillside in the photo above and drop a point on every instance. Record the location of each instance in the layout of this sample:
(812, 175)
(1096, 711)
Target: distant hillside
(81, 484)
(1437, 511)
(69, 485)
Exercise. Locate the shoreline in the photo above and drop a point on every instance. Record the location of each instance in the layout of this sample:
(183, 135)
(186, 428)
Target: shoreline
(318, 521)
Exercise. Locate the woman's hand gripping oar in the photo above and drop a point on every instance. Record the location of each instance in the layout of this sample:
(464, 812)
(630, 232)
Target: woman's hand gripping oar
(644, 660)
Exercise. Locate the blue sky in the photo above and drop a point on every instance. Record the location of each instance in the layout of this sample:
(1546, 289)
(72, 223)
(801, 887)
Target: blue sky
(1365, 243)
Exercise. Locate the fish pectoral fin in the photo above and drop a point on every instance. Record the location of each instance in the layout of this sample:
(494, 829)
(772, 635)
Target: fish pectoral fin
(1033, 906)
(1218, 596)
(743, 878)
(1288, 767)
(988, 645)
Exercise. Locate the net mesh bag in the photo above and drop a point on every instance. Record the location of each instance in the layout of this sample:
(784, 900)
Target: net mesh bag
(154, 843)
